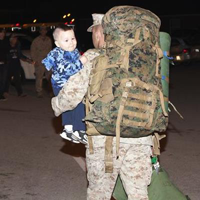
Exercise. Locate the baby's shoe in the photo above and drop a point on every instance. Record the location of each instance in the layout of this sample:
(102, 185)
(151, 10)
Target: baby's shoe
(81, 136)
(68, 135)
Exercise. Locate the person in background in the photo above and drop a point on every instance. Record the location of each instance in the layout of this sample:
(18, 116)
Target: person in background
(40, 47)
(65, 61)
(4, 44)
(14, 66)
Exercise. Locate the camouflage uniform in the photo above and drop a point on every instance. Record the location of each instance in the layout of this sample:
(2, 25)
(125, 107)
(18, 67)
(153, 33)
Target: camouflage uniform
(133, 165)
(127, 29)
(39, 49)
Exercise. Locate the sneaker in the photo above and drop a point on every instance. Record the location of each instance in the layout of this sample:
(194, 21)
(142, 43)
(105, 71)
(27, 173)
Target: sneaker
(81, 136)
(2, 98)
(68, 136)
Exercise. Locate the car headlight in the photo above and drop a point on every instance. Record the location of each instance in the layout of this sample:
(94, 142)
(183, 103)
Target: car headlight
(196, 50)
(178, 58)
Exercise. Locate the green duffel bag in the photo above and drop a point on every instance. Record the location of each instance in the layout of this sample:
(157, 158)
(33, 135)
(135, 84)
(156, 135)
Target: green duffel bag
(161, 188)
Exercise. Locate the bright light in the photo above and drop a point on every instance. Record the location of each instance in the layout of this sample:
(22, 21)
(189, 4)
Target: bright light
(178, 58)
(64, 16)
(35, 20)
(72, 20)
(69, 14)
(15, 28)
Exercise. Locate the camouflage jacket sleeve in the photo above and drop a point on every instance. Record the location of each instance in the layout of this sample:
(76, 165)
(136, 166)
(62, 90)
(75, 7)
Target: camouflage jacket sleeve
(75, 88)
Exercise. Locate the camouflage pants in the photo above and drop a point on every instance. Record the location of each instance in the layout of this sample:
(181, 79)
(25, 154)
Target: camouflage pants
(133, 165)
(40, 71)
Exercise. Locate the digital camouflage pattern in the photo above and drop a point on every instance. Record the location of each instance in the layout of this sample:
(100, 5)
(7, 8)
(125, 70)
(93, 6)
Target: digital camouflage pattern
(75, 88)
(133, 165)
(125, 88)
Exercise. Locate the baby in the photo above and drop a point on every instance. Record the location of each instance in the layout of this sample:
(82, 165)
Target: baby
(65, 61)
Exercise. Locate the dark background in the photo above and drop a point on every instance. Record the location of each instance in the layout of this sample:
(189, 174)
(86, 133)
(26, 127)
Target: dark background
(50, 11)
(174, 15)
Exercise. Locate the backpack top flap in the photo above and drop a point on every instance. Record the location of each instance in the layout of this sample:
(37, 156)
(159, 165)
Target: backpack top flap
(117, 22)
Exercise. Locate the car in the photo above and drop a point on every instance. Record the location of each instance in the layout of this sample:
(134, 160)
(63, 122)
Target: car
(180, 50)
(27, 70)
(194, 42)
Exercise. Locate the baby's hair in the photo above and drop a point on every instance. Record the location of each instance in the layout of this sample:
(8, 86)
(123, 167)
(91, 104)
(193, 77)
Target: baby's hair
(59, 28)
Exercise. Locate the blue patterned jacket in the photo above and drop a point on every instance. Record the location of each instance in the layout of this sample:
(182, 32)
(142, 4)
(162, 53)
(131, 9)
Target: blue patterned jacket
(63, 65)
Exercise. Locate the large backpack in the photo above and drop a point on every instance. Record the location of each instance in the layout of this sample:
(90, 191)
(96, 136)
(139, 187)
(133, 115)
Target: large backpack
(125, 94)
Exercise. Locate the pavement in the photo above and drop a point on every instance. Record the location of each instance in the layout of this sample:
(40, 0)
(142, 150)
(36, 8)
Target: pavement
(180, 154)
(37, 164)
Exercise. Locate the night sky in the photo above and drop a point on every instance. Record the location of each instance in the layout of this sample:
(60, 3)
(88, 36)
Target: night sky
(159, 7)
(49, 11)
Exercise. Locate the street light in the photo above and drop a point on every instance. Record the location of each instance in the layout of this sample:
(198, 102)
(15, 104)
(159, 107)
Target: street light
(72, 21)
(68, 15)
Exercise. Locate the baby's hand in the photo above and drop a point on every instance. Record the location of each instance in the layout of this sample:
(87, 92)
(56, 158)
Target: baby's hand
(83, 59)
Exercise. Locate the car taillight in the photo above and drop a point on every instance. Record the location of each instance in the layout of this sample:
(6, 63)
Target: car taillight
(188, 50)
(185, 50)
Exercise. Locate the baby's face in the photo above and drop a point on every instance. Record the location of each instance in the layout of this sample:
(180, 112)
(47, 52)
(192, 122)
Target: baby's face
(66, 40)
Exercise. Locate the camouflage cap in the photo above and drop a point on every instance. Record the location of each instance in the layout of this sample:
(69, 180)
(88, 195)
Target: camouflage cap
(97, 19)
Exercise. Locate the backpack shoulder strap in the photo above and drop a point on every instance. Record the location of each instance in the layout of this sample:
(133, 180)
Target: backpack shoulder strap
(109, 154)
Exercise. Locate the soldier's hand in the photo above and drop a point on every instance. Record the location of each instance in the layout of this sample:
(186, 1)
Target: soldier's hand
(83, 59)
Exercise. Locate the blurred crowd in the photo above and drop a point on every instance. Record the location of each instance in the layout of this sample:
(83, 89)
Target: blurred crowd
(10, 65)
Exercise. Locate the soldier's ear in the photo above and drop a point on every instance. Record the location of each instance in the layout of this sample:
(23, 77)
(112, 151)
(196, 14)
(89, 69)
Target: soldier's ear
(97, 36)
(57, 44)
